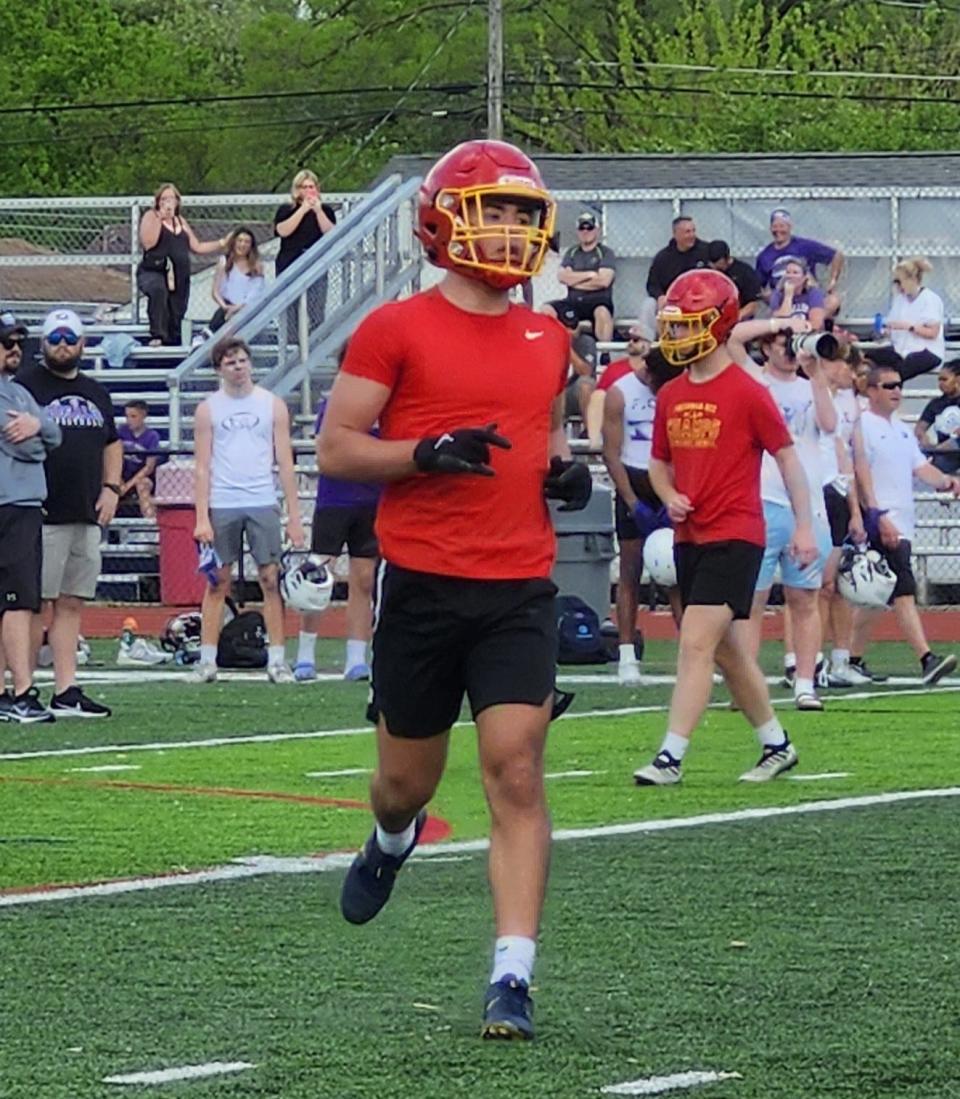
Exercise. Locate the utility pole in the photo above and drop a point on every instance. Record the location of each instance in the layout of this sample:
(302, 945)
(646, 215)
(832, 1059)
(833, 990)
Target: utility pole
(495, 70)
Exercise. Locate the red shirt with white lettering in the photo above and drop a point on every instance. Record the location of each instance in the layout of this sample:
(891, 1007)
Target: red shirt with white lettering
(447, 369)
(714, 434)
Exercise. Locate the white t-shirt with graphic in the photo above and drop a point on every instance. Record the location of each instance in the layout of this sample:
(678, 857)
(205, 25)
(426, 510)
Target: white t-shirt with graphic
(848, 412)
(639, 405)
(795, 400)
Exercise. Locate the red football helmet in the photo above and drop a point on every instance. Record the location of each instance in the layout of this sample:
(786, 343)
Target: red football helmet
(706, 305)
(460, 228)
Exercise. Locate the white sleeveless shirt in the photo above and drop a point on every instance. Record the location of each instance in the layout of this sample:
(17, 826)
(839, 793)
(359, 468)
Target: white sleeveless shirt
(242, 467)
(639, 405)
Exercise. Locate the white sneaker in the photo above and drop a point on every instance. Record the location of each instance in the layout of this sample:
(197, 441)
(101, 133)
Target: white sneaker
(807, 700)
(853, 676)
(664, 771)
(775, 760)
(203, 673)
(280, 673)
(140, 651)
(628, 674)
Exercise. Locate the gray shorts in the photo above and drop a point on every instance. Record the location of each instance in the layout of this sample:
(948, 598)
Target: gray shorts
(71, 560)
(262, 528)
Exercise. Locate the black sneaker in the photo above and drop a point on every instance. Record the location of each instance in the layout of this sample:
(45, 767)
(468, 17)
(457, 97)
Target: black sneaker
(508, 1010)
(74, 703)
(861, 667)
(369, 881)
(936, 667)
(28, 709)
(6, 705)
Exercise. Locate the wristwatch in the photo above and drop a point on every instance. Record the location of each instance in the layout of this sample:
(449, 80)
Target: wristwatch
(112, 487)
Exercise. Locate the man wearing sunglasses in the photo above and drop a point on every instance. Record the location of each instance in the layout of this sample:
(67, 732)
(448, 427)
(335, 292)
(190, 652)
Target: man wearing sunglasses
(27, 435)
(83, 486)
(887, 457)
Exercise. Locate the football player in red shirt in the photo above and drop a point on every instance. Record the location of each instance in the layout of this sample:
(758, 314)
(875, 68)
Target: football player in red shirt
(467, 389)
(711, 426)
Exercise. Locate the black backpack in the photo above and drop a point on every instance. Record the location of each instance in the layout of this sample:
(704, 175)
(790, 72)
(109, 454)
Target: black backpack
(579, 640)
(243, 642)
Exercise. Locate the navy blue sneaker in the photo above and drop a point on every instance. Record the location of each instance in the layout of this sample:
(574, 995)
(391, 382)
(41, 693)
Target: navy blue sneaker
(369, 881)
(508, 1010)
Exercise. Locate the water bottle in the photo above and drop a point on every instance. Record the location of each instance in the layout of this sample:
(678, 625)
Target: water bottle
(877, 325)
(128, 633)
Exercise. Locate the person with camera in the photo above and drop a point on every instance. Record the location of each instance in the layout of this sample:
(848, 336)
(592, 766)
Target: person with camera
(300, 224)
(887, 458)
(807, 408)
(163, 274)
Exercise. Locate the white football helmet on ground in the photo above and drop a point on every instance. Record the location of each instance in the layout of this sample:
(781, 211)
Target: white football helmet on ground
(306, 581)
(658, 557)
(864, 578)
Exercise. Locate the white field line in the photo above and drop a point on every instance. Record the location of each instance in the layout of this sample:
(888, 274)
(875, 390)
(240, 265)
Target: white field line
(256, 866)
(572, 774)
(186, 1072)
(367, 730)
(103, 768)
(656, 1085)
(345, 773)
(818, 778)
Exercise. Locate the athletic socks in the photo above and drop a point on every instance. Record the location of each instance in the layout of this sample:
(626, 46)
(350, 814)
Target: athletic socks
(208, 654)
(395, 843)
(306, 648)
(771, 734)
(675, 746)
(356, 654)
(275, 655)
(513, 955)
(628, 654)
(839, 659)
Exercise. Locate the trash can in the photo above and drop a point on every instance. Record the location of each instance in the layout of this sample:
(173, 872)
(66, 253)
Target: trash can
(585, 548)
(180, 583)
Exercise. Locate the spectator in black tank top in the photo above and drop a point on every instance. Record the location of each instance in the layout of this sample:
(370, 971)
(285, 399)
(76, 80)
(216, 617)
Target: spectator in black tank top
(163, 275)
(299, 224)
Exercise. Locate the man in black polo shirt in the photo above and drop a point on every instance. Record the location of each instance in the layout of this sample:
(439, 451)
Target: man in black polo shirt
(83, 487)
(743, 276)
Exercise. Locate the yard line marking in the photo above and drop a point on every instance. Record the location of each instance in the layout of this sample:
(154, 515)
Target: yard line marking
(656, 1085)
(367, 730)
(185, 1072)
(256, 866)
(338, 774)
(105, 767)
(573, 774)
(817, 778)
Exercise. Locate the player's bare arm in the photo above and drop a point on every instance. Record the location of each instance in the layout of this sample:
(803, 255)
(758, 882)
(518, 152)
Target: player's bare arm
(613, 445)
(283, 452)
(678, 505)
(803, 545)
(202, 453)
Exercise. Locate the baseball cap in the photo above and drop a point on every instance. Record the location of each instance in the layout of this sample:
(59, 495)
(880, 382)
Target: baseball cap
(9, 325)
(782, 213)
(63, 320)
(587, 220)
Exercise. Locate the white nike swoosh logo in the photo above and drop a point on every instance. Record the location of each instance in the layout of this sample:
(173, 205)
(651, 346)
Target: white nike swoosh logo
(532, 335)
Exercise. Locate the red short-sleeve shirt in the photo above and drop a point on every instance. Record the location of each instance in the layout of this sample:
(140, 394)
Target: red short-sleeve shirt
(714, 434)
(446, 369)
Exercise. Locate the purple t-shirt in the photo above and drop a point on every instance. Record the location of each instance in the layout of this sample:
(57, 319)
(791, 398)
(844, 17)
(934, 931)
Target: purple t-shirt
(137, 448)
(802, 303)
(333, 493)
(802, 247)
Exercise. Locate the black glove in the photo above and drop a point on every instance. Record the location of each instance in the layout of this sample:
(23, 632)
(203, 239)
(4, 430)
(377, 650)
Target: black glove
(466, 450)
(570, 482)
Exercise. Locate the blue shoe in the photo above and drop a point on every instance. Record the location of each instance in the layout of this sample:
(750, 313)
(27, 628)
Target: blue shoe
(369, 881)
(357, 672)
(304, 672)
(508, 1010)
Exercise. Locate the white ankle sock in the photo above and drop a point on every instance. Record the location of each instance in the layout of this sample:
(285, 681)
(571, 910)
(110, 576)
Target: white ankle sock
(514, 955)
(771, 733)
(208, 654)
(395, 843)
(802, 687)
(628, 654)
(275, 655)
(356, 653)
(789, 660)
(306, 648)
(676, 745)
(839, 658)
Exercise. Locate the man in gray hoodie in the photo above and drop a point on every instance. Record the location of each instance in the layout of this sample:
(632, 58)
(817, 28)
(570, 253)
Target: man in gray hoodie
(27, 435)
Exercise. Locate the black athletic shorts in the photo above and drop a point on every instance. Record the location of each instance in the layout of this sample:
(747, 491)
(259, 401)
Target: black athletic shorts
(21, 557)
(715, 574)
(438, 637)
(623, 516)
(571, 312)
(899, 561)
(838, 514)
(334, 528)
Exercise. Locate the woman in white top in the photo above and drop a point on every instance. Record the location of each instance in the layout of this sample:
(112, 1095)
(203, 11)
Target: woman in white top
(915, 321)
(239, 279)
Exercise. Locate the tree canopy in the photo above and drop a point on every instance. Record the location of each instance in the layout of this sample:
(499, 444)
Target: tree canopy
(113, 96)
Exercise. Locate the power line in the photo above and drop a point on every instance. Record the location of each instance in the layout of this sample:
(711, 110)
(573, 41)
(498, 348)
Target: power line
(820, 74)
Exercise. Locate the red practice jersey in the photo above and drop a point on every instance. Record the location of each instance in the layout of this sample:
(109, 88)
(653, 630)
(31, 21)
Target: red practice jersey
(714, 434)
(447, 369)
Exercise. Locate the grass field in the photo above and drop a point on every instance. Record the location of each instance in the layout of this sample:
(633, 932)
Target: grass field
(800, 935)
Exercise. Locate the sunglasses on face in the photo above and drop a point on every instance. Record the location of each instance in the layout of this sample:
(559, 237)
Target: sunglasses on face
(890, 385)
(10, 342)
(71, 339)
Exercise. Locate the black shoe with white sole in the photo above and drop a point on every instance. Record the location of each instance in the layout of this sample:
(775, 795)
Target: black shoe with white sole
(935, 667)
(74, 703)
(27, 709)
